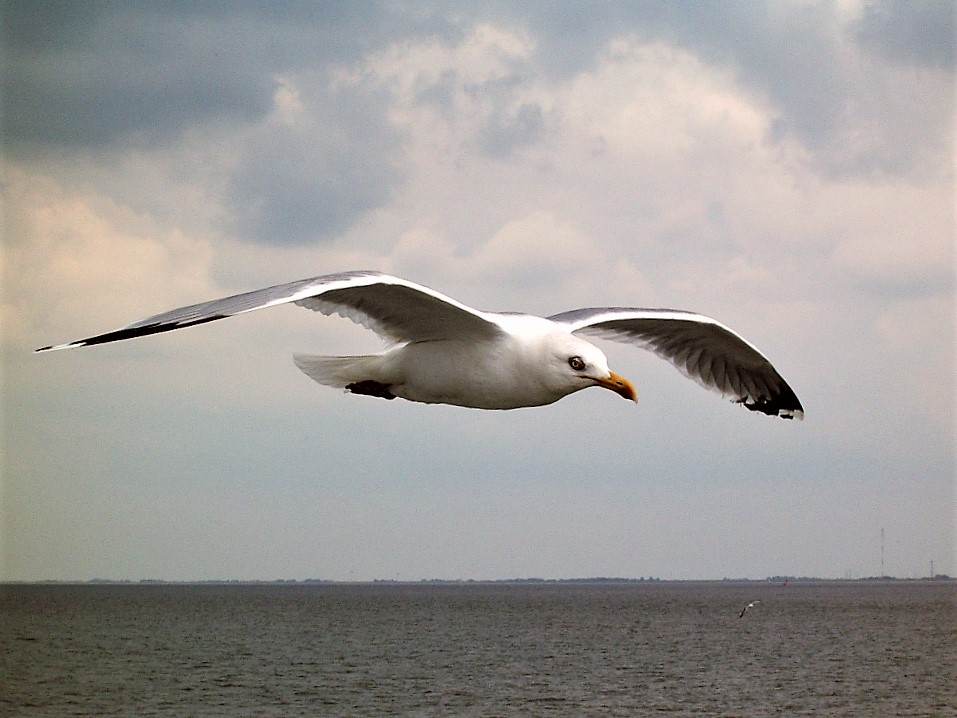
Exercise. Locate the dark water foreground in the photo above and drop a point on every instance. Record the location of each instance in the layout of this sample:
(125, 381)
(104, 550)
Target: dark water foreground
(478, 650)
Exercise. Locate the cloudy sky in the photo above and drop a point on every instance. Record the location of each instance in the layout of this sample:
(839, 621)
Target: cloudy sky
(786, 168)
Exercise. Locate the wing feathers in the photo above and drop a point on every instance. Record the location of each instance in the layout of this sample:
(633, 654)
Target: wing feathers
(700, 347)
(403, 311)
(393, 308)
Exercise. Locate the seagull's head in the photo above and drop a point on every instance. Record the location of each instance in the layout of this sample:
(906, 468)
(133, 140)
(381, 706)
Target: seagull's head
(578, 364)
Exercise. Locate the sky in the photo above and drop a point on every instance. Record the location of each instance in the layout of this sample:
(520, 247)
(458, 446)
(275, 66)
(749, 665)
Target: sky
(785, 167)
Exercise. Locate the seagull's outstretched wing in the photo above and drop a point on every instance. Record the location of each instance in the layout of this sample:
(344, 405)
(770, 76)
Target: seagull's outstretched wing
(701, 348)
(394, 308)
(745, 609)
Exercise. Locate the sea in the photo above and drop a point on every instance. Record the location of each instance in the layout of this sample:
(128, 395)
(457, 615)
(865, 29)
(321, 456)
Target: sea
(480, 649)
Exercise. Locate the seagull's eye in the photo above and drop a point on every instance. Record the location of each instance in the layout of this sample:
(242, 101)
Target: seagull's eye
(576, 363)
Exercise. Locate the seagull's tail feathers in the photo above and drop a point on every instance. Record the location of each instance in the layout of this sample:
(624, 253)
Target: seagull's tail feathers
(337, 372)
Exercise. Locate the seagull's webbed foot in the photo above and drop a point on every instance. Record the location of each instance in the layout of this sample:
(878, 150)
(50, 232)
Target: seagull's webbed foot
(369, 387)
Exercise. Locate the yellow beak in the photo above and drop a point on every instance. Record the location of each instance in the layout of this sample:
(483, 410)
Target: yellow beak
(619, 385)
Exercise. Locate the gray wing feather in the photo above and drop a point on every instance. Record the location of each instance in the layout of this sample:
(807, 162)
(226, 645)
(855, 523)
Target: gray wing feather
(394, 308)
(700, 347)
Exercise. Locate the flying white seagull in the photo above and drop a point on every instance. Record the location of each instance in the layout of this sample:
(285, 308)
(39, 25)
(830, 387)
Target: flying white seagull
(745, 609)
(444, 352)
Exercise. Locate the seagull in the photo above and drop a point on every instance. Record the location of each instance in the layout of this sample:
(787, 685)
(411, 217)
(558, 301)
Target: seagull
(745, 609)
(444, 352)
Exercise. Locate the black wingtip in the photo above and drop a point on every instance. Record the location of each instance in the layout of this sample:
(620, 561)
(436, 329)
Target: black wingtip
(58, 347)
(785, 404)
(129, 333)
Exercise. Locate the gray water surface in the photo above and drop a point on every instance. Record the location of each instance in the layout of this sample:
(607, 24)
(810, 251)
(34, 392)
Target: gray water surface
(478, 650)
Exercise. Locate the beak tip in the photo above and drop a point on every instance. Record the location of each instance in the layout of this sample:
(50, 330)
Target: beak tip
(620, 386)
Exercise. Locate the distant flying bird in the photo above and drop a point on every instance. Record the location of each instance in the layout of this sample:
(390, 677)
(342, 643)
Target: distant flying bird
(447, 353)
(745, 609)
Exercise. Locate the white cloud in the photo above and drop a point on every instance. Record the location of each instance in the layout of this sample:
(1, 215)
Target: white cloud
(72, 258)
(288, 107)
(654, 101)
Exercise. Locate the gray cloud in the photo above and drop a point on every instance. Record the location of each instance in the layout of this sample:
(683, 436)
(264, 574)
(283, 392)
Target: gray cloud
(506, 126)
(507, 131)
(302, 183)
(914, 33)
(121, 74)
(94, 73)
(794, 57)
(91, 74)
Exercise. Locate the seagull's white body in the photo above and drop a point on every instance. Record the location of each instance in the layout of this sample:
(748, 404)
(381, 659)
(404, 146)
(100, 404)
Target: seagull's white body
(448, 353)
(525, 365)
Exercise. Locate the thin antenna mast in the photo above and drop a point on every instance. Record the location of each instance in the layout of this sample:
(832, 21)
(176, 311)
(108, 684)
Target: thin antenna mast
(882, 554)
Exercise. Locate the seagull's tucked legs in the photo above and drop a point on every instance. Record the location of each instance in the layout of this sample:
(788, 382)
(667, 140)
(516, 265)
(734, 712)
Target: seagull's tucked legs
(370, 388)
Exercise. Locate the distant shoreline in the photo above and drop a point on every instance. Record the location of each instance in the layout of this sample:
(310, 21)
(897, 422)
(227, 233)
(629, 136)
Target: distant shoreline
(772, 581)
